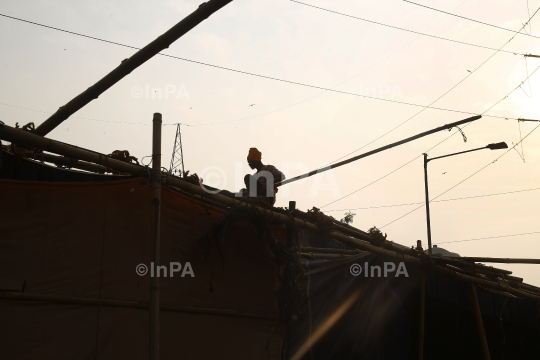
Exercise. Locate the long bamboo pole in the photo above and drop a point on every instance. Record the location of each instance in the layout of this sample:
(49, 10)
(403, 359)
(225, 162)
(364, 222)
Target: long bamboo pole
(63, 161)
(479, 323)
(422, 315)
(128, 65)
(156, 221)
(25, 296)
(20, 136)
(498, 260)
(329, 167)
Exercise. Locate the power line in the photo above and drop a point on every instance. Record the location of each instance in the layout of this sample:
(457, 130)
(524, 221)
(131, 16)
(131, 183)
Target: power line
(491, 237)
(462, 181)
(418, 203)
(343, 197)
(402, 29)
(262, 76)
(469, 19)
(214, 123)
(448, 91)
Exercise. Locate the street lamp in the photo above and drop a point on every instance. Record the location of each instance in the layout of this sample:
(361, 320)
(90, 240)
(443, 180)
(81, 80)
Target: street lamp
(496, 146)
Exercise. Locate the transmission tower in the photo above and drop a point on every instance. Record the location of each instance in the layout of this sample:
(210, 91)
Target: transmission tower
(177, 158)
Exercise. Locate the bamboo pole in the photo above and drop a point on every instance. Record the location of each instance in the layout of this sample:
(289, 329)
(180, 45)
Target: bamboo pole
(460, 262)
(323, 256)
(65, 161)
(24, 296)
(479, 323)
(486, 272)
(422, 315)
(156, 215)
(344, 162)
(128, 65)
(19, 136)
(498, 260)
(328, 251)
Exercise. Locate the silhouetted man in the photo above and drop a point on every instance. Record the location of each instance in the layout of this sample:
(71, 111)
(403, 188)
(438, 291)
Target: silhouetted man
(262, 183)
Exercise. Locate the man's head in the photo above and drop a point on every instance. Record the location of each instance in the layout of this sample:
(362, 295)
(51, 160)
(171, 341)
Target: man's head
(254, 158)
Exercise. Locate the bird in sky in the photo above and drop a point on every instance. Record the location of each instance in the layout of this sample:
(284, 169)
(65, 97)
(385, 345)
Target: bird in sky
(252, 105)
(444, 173)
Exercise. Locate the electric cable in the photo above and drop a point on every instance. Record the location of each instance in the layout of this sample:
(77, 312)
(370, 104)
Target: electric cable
(343, 197)
(462, 181)
(402, 29)
(258, 75)
(444, 200)
(469, 19)
(491, 237)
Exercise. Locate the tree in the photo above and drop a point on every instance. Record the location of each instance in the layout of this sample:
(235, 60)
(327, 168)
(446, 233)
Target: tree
(348, 219)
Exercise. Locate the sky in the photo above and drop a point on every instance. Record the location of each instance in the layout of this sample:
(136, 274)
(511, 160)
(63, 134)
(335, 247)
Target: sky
(300, 128)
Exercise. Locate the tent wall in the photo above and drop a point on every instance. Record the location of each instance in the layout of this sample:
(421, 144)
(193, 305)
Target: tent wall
(85, 239)
(383, 323)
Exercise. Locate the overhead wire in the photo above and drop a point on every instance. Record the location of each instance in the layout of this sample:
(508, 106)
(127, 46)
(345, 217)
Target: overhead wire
(491, 237)
(469, 19)
(443, 95)
(410, 161)
(402, 29)
(264, 77)
(443, 200)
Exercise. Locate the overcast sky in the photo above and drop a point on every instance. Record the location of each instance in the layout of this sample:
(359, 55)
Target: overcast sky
(298, 128)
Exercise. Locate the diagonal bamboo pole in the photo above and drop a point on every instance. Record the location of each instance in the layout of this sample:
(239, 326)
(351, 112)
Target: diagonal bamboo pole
(386, 147)
(128, 65)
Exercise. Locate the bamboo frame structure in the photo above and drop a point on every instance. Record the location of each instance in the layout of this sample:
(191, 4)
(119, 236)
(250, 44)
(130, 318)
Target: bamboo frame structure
(20, 136)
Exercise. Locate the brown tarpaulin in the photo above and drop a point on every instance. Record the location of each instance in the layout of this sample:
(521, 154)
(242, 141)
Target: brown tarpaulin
(86, 240)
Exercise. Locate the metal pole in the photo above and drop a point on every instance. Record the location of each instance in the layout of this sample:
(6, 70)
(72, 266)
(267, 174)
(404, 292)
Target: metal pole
(128, 65)
(479, 323)
(329, 167)
(156, 217)
(422, 315)
(427, 203)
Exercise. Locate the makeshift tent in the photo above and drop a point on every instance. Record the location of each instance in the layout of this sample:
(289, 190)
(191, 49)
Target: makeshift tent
(71, 242)
(382, 321)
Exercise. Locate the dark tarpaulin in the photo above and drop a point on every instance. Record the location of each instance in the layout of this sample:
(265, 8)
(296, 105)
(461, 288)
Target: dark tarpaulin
(383, 323)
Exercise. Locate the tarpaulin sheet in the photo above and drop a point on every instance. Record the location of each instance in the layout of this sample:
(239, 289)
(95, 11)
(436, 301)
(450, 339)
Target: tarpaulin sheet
(383, 320)
(85, 239)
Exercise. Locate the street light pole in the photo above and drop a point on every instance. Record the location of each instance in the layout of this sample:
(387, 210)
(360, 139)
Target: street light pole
(427, 204)
(495, 146)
